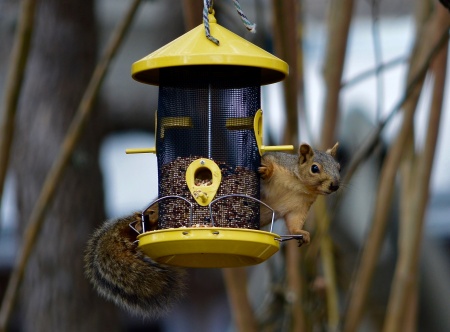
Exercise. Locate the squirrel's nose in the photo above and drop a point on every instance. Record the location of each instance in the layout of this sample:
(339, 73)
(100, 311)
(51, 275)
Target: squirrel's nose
(334, 186)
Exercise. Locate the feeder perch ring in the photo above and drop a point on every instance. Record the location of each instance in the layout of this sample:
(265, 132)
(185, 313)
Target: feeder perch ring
(209, 247)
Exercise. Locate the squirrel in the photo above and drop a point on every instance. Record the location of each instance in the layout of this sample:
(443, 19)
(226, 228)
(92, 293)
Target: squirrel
(121, 272)
(291, 183)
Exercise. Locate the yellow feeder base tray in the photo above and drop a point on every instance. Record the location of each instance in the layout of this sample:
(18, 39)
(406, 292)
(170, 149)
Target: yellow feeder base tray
(209, 247)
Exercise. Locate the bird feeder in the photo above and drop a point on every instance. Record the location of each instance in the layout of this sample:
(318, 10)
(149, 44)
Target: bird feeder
(208, 147)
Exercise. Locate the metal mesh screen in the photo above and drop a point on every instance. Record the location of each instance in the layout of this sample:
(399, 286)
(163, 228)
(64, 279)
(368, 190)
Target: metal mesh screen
(207, 112)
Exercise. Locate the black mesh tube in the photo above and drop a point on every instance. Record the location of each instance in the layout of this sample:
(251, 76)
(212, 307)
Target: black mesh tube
(207, 112)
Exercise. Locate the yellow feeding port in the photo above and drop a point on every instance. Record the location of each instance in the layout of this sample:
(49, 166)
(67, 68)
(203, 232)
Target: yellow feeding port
(209, 247)
(203, 178)
(258, 128)
(193, 48)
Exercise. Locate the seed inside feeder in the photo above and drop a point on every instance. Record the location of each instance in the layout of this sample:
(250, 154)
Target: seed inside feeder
(235, 212)
(203, 177)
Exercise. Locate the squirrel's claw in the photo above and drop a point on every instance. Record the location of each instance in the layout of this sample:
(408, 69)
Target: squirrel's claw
(265, 172)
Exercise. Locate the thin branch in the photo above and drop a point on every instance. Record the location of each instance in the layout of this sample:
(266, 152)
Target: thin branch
(236, 285)
(285, 13)
(373, 71)
(14, 82)
(338, 27)
(328, 263)
(54, 176)
(420, 64)
(304, 125)
(289, 48)
(340, 18)
(294, 287)
(417, 186)
(373, 243)
(368, 146)
(378, 57)
(192, 13)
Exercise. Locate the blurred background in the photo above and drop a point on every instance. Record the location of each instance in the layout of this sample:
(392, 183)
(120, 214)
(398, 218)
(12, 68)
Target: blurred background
(370, 74)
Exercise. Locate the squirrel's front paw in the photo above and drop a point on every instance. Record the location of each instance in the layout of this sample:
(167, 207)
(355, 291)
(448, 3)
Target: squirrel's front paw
(265, 172)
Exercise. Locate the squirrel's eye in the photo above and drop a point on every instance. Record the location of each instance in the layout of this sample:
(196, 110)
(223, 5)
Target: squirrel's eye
(315, 168)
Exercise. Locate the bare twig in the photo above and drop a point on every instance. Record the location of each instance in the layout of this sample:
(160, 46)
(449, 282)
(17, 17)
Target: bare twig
(51, 182)
(235, 281)
(418, 68)
(287, 46)
(326, 249)
(338, 28)
(294, 287)
(367, 147)
(14, 81)
(378, 57)
(376, 236)
(373, 71)
(411, 226)
(192, 13)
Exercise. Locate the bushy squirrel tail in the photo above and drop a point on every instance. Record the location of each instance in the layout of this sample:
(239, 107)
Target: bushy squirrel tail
(122, 273)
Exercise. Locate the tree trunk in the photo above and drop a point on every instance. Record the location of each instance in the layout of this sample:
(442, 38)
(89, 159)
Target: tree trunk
(55, 294)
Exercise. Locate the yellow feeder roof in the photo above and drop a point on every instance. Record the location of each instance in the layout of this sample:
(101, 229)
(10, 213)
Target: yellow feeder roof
(193, 48)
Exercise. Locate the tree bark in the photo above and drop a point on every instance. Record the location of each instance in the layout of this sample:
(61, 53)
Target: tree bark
(55, 294)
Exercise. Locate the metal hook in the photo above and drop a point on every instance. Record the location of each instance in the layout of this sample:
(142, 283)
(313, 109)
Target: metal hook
(284, 238)
(131, 224)
(210, 6)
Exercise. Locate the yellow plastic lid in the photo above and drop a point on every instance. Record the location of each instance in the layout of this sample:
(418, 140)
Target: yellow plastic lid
(209, 247)
(193, 48)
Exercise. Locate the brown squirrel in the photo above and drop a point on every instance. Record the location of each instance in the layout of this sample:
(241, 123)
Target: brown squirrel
(290, 184)
(121, 272)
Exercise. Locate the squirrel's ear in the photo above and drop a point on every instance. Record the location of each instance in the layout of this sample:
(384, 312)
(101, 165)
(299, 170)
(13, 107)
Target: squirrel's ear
(333, 150)
(306, 152)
